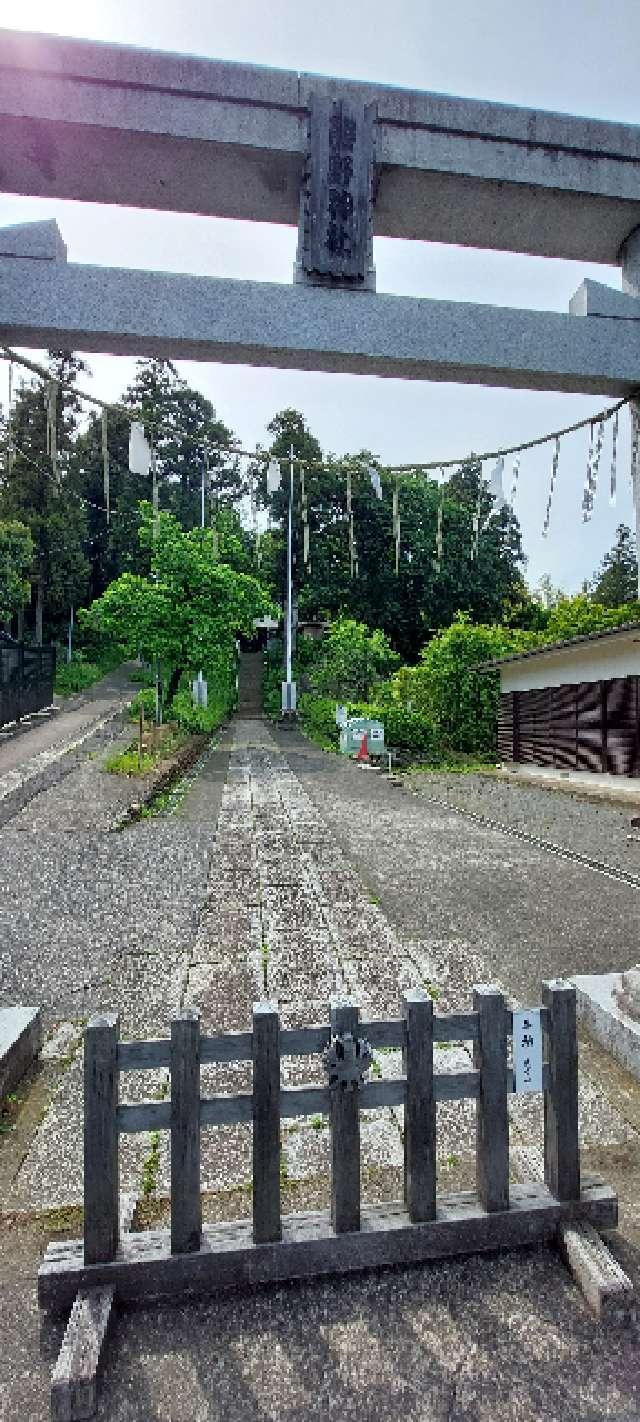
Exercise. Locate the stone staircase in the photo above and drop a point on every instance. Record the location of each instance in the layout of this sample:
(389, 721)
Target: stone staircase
(250, 688)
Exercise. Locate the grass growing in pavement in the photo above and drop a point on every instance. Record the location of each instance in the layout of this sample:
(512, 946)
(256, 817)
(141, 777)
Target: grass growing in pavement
(151, 1167)
(160, 743)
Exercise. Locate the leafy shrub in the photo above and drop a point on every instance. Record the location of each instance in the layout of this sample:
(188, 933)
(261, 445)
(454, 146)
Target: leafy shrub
(143, 675)
(404, 730)
(318, 715)
(576, 616)
(145, 699)
(75, 675)
(197, 719)
(351, 661)
(448, 689)
(271, 679)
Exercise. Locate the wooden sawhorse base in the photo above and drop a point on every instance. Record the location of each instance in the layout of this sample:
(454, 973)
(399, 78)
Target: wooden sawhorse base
(145, 1269)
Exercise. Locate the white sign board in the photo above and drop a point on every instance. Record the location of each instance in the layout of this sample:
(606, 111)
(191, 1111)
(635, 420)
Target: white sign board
(527, 1050)
(341, 715)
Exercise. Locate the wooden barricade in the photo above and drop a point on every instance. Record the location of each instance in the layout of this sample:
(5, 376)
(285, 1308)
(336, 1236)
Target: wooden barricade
(187, 1259)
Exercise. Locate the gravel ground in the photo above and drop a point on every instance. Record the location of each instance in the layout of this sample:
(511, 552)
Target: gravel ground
(595, 829)
(491, 907)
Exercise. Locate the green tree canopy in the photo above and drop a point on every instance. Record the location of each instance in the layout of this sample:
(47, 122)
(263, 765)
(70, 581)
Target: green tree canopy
(16, 561)
(577, 616)
(188, 611)
(617, 579)
(448, 687)
(427, 591)
(351, 661)
(46, 502)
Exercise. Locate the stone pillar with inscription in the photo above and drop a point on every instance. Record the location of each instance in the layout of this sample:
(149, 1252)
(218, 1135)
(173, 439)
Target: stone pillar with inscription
(335, 238)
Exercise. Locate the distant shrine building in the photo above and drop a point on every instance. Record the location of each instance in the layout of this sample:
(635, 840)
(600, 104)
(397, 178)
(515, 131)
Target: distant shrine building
(574, 704)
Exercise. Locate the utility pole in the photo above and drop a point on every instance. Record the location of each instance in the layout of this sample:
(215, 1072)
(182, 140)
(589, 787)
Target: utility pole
(200, 688)
(289, 686)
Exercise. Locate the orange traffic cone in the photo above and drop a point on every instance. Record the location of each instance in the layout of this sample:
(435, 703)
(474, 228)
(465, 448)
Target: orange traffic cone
(363, 754)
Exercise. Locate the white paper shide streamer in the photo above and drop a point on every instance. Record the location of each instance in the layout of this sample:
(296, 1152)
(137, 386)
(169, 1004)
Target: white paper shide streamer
(613, 480)
(515, 472)
(475, 521)
(554, 475)
(353, 559)
(587, 496)
(439, 536)
(376, 482)
(495, 486)
(304, 508)
(10, 449)
(139, 450)
(274, 476)
(396, 525)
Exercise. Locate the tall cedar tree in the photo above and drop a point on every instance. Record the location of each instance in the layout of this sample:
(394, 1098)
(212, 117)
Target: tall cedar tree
(47, 505)
(617, 580)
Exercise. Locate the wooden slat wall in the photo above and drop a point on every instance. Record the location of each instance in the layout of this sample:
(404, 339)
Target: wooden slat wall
(623, 719)
(588, 726)
(507, 750)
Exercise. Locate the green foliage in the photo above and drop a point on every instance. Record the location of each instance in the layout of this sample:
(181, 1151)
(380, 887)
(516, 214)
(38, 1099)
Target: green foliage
(447, 687)
(75, 675)
(577, 616)
(404, 730)
(424, 595)
(162, 744)
(617, 579)
(126, 762)
(16, 560)
(145, 699)
(189, 611)
(318, 716)
(351, 661)
(32, 496)
(197, 719)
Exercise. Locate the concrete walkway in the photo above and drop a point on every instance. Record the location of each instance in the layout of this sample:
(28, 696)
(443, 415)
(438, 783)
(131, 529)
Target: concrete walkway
(55, 734)
(625, 790)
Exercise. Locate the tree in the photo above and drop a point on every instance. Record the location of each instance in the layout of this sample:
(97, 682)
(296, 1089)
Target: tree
(47, 503)
(187, 436)
(546, 593)
(351, 661)
(577, 616)
(448, 687)
(617, 580)
(16, 561)
(426, 592)
(188, 612)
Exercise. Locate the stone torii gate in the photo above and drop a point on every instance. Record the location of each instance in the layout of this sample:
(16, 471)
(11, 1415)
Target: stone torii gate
(113, 124)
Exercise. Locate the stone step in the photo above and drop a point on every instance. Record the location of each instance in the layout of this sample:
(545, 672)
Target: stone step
(21, 1033)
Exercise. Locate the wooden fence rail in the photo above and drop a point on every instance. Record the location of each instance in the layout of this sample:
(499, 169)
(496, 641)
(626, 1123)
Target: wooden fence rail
(419, 1227)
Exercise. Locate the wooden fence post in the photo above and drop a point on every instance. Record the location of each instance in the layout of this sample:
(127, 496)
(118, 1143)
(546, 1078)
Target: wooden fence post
(420, 1108)
(345, 1135)
(186, 1205)
(101, 1184)
(561, 1143)
(267, 1224)
(492, 1120)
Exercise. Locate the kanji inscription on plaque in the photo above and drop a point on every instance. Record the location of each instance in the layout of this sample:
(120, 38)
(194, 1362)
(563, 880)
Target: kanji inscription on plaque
(337, 219)
(527, 1050)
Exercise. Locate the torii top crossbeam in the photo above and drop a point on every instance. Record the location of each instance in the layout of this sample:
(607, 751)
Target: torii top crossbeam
(114, 124)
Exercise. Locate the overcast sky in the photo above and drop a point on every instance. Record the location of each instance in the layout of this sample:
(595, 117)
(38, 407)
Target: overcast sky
(578, 56)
